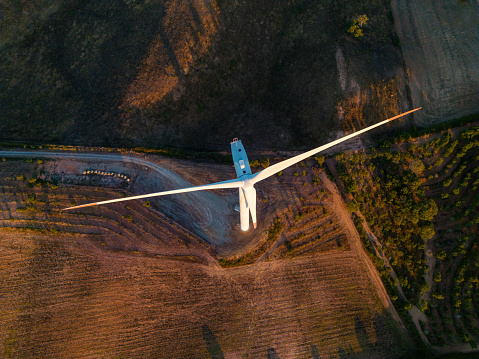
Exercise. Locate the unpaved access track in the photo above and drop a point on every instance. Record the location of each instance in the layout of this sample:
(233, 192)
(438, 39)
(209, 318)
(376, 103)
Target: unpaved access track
(203, 212)
(208, 214)
(440, 43)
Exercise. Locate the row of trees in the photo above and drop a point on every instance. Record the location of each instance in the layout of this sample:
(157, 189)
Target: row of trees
(405, 196)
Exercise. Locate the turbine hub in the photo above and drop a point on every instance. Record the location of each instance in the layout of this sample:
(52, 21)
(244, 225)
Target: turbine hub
(247, 182)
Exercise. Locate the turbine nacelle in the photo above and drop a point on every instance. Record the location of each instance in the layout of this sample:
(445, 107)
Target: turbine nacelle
(247, 193)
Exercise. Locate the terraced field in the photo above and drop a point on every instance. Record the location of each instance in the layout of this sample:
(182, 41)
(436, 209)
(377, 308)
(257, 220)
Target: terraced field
(32, 204)
(305, 226)
(125, 281)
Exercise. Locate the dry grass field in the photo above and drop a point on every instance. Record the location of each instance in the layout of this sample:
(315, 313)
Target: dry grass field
(439, 43)
(126, 281)
(193, 74)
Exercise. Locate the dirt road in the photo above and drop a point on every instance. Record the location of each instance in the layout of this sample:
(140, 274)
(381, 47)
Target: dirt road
(206, 213)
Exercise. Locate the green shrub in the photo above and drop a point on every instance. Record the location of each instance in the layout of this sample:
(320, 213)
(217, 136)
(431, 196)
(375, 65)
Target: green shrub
(254, 163)
(441, 255)
(298, 216)
(352, 206)
(265, 162)
(422, 306)
(320, 159)
(425, 287)
(275, 229)
(356, 27)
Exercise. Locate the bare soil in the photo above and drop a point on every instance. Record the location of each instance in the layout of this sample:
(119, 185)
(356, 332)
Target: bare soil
(95, 283)
(77, 301)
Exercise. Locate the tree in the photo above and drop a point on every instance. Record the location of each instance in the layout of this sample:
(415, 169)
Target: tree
(427, 232)
(417, 166)
(350, 185)
(265, 162)
(428, 210)
(352, 206)
(441, 255)
(320, 159)
(356, 26)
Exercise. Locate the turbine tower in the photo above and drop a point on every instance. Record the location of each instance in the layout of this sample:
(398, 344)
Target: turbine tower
(246, 180)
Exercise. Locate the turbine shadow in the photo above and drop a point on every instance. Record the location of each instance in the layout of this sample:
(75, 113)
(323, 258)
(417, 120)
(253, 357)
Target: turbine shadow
(212, 345)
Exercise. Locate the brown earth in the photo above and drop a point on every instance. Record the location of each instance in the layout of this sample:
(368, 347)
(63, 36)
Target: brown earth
(62, 298)
(95, 283)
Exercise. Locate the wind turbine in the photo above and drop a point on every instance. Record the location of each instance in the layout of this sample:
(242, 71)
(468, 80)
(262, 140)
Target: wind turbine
(246, 180)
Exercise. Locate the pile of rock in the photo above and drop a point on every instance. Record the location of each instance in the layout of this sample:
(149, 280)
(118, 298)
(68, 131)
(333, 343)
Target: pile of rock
(101, 173)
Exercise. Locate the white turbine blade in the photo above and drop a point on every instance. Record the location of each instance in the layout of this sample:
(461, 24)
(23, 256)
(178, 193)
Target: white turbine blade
(271, 170)
(234, 183)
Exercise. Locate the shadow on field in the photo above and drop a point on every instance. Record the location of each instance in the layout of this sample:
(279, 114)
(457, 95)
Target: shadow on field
(315, 352)
(272, 354)
(211, 343)
(381, 336)
(361, 334)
